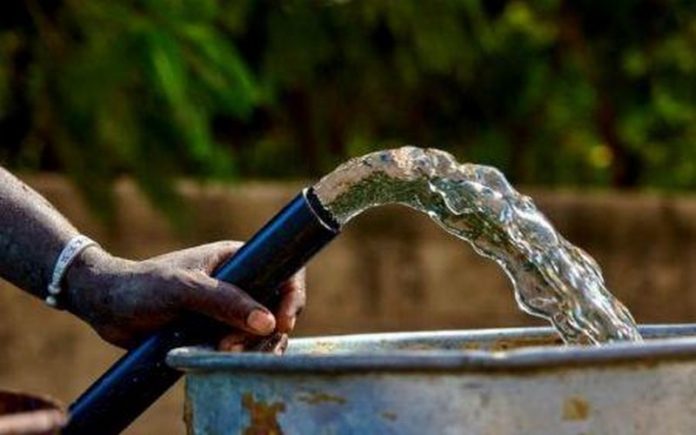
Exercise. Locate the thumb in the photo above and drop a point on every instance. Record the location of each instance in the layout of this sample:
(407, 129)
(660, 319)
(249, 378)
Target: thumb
(226, 303)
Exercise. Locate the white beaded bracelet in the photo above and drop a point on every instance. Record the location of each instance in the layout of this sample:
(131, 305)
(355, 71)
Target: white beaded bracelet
(74, 247)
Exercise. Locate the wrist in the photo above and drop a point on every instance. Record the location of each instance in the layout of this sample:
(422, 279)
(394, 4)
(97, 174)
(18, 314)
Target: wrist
(88, 277)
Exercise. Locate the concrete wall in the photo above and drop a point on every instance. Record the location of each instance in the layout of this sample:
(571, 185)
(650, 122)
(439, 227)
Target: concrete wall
(391, 270)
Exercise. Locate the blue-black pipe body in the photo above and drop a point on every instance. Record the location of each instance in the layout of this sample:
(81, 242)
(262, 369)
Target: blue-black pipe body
(141, 376)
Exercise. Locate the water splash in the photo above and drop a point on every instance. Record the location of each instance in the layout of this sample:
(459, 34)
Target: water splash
(552, 278)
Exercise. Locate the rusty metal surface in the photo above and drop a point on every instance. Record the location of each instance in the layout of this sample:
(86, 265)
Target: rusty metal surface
(23, 414)
(505, 381)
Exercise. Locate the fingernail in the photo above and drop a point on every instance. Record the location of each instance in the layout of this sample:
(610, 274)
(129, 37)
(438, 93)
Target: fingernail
(236, 347)
(232, 343)
(261, 322)
(291, 323)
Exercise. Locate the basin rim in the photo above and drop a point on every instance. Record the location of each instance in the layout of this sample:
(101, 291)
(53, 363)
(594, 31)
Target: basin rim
(667, 342)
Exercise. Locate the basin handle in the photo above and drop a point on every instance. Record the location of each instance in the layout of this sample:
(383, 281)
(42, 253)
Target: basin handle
(141, 376)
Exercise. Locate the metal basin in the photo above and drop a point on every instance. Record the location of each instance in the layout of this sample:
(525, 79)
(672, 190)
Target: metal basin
(500, 381)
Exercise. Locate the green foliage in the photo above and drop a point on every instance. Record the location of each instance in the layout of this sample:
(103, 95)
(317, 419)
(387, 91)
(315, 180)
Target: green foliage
(121, 87)
(552, 92)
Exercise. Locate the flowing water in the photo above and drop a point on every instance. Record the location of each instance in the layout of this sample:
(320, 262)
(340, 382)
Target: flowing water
(552, 278)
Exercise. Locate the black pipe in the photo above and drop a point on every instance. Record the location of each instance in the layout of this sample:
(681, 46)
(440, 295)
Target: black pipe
(141, 376)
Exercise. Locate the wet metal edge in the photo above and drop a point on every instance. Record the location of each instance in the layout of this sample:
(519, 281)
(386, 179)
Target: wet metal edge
(443, 350)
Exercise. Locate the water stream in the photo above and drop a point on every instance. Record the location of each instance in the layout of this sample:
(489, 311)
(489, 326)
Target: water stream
(552, 278)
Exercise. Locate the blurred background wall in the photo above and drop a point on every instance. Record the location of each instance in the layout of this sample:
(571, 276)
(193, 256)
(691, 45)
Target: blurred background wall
(162, 123)
(391, 269)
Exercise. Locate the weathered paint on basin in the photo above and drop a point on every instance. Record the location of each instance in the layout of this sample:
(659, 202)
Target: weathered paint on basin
(501, 381)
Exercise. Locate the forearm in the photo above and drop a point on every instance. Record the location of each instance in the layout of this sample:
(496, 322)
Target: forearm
(32, 234)
(126, 300)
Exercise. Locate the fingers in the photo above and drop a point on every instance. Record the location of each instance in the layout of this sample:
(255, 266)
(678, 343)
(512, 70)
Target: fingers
(235, 342)
(276, 343)
(293, 300)
(205, 258)
(199, 292)
(224, 302)
(217, 253)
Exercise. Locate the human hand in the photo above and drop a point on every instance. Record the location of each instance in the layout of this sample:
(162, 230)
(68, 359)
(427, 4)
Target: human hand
(124, 301)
